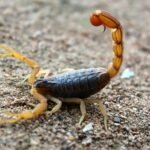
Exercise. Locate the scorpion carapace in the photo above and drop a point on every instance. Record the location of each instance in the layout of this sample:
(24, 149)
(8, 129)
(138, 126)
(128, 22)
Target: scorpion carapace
(72, 86)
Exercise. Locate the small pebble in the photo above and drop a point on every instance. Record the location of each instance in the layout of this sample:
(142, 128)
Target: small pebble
(117, 119)
(127, 73)
(88, 127)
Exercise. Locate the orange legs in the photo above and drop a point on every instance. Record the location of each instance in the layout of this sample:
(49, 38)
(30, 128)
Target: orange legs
(29, 114)
(31, 63)
(42, 106)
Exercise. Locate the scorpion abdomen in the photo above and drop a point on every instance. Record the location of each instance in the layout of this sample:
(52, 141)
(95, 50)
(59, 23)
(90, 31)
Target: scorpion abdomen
(80, 83)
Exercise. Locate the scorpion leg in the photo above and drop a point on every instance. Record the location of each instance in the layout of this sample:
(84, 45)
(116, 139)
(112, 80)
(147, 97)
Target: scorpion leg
(31, 63)
(82, 107)
(104, 113)
(45, 72)
(83, 111)
(101, 108)
(29, 114)
(55, 108)
(3, 54)
(21, 83)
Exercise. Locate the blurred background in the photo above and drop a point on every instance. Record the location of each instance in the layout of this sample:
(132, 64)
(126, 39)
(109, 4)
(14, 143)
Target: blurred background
(58, 34)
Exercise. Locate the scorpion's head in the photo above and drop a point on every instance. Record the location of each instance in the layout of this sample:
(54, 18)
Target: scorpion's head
(44, 85)
(40, 83)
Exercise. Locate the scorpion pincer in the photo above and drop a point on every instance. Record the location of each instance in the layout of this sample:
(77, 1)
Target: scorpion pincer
(73, 86)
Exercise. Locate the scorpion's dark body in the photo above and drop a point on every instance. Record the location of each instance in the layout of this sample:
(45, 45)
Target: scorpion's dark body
(80, 83)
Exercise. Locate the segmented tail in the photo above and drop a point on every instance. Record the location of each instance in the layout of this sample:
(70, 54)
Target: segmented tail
(103, 18)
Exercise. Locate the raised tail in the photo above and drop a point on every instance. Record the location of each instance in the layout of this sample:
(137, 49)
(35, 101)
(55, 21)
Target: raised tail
(103, 18)
(22, 58)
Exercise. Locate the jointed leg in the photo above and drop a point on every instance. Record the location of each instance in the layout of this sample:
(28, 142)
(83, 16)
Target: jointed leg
(83, 111)
(3, 54)
(38, 110)
(41, 72)
(82, 107)
(57, 107)
(31, 63)
(45, 72)
(101, 108)
(21, 83)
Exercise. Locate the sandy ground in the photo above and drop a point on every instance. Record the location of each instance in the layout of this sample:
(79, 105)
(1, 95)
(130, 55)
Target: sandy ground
(57, 34)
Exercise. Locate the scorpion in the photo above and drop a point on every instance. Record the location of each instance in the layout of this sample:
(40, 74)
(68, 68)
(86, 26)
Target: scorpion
(72, 86)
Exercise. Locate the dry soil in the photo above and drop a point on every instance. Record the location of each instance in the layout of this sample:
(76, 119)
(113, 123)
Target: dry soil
(57, 34)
